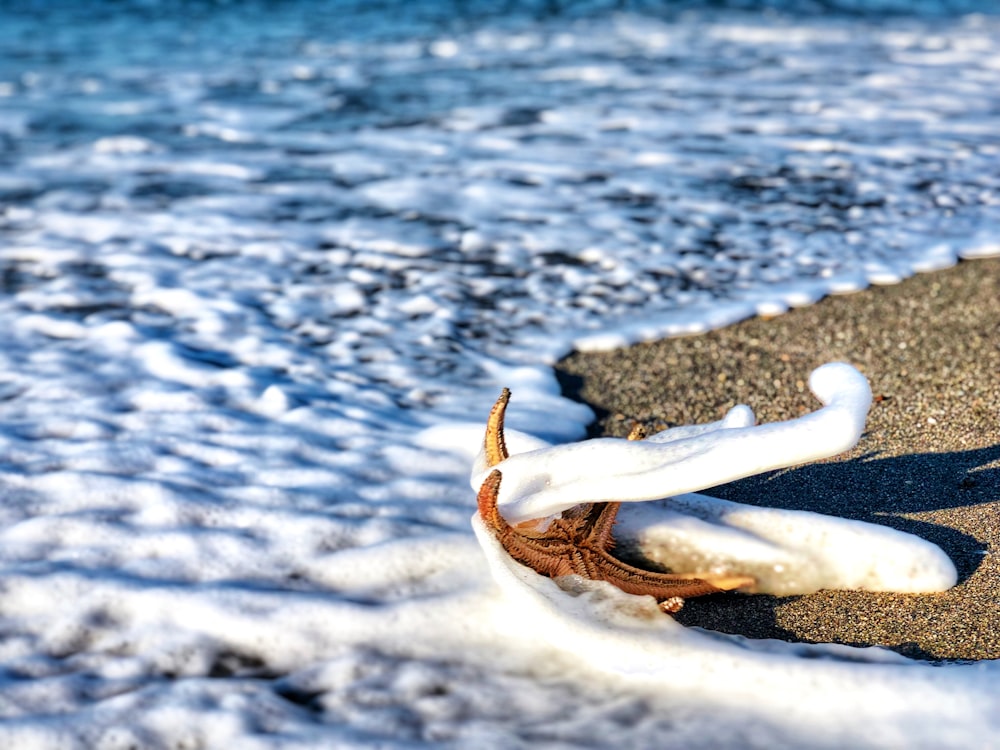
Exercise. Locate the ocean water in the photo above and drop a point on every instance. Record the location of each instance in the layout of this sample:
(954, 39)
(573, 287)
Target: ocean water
(264, 268)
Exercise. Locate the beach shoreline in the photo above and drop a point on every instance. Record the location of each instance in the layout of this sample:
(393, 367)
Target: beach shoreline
(928, 461)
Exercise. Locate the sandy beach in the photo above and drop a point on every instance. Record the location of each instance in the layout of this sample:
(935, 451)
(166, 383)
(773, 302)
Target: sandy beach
(928, 462)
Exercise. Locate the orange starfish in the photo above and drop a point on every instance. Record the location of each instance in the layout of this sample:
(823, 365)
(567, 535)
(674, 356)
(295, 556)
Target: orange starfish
(580, 541)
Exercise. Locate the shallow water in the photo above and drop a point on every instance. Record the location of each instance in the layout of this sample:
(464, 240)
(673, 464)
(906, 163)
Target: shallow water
(265, 268)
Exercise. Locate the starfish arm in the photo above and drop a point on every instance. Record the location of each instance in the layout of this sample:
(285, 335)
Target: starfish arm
(545, 553)
(633, 580)
(494, 444)
(599, 524)
(488, 510)
(637, 432)
(579, 544)
(543, 561)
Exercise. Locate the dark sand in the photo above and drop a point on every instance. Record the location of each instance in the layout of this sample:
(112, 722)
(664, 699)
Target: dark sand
(928, 463)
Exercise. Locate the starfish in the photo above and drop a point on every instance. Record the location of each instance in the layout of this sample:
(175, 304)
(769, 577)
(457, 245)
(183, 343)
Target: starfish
(580, 541)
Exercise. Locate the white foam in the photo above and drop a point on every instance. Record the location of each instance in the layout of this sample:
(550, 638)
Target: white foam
(787, 552)
(541, 483)
(628, 639)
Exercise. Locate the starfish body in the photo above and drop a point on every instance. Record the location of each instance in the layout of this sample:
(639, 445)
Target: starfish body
(581, 540)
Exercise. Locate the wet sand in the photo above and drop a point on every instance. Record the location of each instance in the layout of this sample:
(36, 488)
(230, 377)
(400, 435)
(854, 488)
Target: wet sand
(928, 462)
